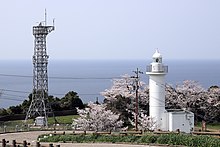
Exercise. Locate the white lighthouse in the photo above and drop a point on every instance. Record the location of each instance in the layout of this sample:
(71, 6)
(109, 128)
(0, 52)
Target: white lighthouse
(157, 72)
(165, 120)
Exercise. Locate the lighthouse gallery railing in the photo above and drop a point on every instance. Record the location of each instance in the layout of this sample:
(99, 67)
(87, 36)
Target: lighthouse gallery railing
(160, 69)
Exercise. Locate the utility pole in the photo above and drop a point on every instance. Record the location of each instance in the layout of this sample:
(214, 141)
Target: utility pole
(136, 77)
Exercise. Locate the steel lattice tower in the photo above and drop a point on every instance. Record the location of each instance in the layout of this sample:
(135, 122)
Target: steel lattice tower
(40, 105)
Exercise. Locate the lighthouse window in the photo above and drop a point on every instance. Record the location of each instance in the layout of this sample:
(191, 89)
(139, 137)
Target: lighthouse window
(157, 60)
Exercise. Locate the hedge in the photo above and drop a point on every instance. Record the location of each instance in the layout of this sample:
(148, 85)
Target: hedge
(171, 139)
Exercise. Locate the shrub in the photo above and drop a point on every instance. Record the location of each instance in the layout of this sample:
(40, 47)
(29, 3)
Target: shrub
(148, 139)
(171, 139)
(188, 140)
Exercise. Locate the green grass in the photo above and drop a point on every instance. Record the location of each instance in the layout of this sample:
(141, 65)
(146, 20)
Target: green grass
(63, 119)
(15, 122)
(215, 126)
(211, 127)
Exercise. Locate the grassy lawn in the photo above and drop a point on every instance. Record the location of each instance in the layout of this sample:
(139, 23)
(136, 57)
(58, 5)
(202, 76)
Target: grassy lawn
(213, 126)
(210, 127)
(11, 126)
(62, 119)
(15, 122)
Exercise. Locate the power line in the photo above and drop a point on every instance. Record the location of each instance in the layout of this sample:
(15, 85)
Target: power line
(13, 95)
(77, 93)
(17, 91)
(12, 99)
(62, 78)
(87, 78)
(59, 78)
(12, 75)
(90, 94)
(52, 77)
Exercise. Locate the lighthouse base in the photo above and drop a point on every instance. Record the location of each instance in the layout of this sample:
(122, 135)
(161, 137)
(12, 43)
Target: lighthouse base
(178, 120)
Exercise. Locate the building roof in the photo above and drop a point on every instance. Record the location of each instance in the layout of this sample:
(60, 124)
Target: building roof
(178, 111)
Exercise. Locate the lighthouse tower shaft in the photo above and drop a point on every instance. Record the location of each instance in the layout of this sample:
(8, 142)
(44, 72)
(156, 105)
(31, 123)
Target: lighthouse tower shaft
(157, 72)
(39, 104)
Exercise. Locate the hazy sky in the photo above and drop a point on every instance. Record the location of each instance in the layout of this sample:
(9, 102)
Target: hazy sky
(113, 29)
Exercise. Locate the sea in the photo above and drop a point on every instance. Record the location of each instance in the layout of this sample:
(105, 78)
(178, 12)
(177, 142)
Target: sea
(90, 77)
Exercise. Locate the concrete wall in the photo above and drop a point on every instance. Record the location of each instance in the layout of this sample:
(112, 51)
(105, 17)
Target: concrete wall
(183, 120)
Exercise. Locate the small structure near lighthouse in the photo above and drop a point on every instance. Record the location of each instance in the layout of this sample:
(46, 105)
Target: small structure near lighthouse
(165, 120)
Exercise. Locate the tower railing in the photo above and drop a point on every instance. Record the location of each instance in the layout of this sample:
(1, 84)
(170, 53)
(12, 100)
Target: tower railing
(160, 69)
(42, 30)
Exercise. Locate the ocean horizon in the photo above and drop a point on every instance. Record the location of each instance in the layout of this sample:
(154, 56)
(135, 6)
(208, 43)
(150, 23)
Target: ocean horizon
(90, 77)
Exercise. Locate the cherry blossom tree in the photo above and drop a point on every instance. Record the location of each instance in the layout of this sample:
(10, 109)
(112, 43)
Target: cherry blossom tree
(212, 111)
(120, 98)
(145, 122)
(214, 95)
(189, 94)
(183, 95)
(97, 118)
(124, 87)
(192, 96)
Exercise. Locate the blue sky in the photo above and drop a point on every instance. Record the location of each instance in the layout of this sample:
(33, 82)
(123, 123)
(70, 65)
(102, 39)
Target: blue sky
(113, 29)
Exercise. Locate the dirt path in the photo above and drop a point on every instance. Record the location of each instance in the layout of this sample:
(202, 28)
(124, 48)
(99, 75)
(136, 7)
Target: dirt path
(31, 137)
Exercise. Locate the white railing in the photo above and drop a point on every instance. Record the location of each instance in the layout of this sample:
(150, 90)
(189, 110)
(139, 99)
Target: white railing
(159, 69)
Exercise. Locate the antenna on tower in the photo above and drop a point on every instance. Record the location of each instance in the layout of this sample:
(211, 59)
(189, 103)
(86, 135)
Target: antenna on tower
(53, 21)
(45, 17)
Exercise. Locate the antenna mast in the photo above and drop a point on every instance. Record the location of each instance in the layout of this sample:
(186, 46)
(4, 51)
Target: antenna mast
(40, 105)
(45, 17)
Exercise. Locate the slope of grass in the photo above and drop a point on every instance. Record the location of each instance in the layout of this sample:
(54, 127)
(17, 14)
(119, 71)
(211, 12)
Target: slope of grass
(18, 125)
(61, 120)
